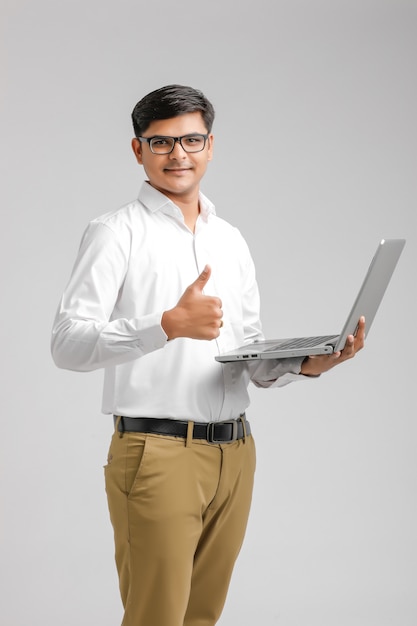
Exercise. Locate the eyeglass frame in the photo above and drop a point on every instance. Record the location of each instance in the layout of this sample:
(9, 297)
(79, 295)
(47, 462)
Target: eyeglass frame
(176, 140)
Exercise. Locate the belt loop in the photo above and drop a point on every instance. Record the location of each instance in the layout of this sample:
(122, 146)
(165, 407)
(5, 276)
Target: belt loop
(190, 429)
(116, 425)
(242, 419)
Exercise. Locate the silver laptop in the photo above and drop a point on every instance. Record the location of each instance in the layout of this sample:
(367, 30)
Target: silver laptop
(367, 302)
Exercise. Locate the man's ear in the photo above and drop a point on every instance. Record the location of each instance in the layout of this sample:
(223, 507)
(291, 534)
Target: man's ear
(210, 147)
(137, 150)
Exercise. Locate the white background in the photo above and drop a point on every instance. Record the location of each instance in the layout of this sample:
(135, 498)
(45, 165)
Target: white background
(315, 162)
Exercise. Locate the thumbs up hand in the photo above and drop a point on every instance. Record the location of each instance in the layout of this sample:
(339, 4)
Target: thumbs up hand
(195, 316)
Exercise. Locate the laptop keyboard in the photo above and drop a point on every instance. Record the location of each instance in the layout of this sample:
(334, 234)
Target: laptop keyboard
(303, 342)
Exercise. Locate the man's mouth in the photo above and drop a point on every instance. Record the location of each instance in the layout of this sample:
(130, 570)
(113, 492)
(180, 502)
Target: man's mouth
(177, 169)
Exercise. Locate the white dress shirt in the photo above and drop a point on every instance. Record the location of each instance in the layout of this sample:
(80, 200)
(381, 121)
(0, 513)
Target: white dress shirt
(135, 263)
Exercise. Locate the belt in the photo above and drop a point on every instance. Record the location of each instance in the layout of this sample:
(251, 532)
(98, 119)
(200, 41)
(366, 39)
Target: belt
(213, 432)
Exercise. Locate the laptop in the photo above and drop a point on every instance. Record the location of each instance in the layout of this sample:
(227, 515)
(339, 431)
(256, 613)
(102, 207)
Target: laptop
(367, 302)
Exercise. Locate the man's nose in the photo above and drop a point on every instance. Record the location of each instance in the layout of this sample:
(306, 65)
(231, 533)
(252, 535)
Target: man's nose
(178, 151)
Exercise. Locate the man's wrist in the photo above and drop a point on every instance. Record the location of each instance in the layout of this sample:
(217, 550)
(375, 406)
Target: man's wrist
(171, 323)
(306, 369)
(166, 323)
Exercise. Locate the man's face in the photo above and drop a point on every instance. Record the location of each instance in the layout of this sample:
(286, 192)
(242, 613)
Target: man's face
(178, 174)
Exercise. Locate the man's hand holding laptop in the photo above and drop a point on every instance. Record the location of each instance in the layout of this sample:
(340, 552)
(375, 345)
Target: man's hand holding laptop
(318, 364)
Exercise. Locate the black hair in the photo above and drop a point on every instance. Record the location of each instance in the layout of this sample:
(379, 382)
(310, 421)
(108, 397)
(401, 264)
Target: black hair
(171, 101)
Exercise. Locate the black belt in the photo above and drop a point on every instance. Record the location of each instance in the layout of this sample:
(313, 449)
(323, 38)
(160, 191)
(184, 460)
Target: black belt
(213, 432)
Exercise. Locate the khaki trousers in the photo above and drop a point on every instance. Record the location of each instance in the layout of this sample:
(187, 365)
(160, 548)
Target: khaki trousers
(179, 510)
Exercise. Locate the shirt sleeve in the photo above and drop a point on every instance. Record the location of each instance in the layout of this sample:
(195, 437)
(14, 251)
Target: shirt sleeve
(84, 337)
(276, 372)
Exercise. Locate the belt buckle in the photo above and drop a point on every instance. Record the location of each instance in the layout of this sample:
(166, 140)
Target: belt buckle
(211, 427)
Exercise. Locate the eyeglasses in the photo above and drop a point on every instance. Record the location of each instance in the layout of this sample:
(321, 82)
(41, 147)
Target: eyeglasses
(165, 145)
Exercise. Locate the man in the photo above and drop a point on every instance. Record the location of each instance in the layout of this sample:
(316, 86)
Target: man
(159, 288)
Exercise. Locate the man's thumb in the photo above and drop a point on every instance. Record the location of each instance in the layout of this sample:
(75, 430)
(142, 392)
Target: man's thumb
(202, 280)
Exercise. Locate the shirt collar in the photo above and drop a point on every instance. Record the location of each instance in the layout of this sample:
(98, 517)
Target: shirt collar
(155, 200)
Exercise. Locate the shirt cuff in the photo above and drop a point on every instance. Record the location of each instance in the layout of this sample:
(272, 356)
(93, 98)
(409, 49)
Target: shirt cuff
(151, 335)
(278, 372)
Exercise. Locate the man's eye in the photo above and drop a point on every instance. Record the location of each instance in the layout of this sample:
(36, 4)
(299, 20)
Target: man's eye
(159, 142)
(193, 140)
